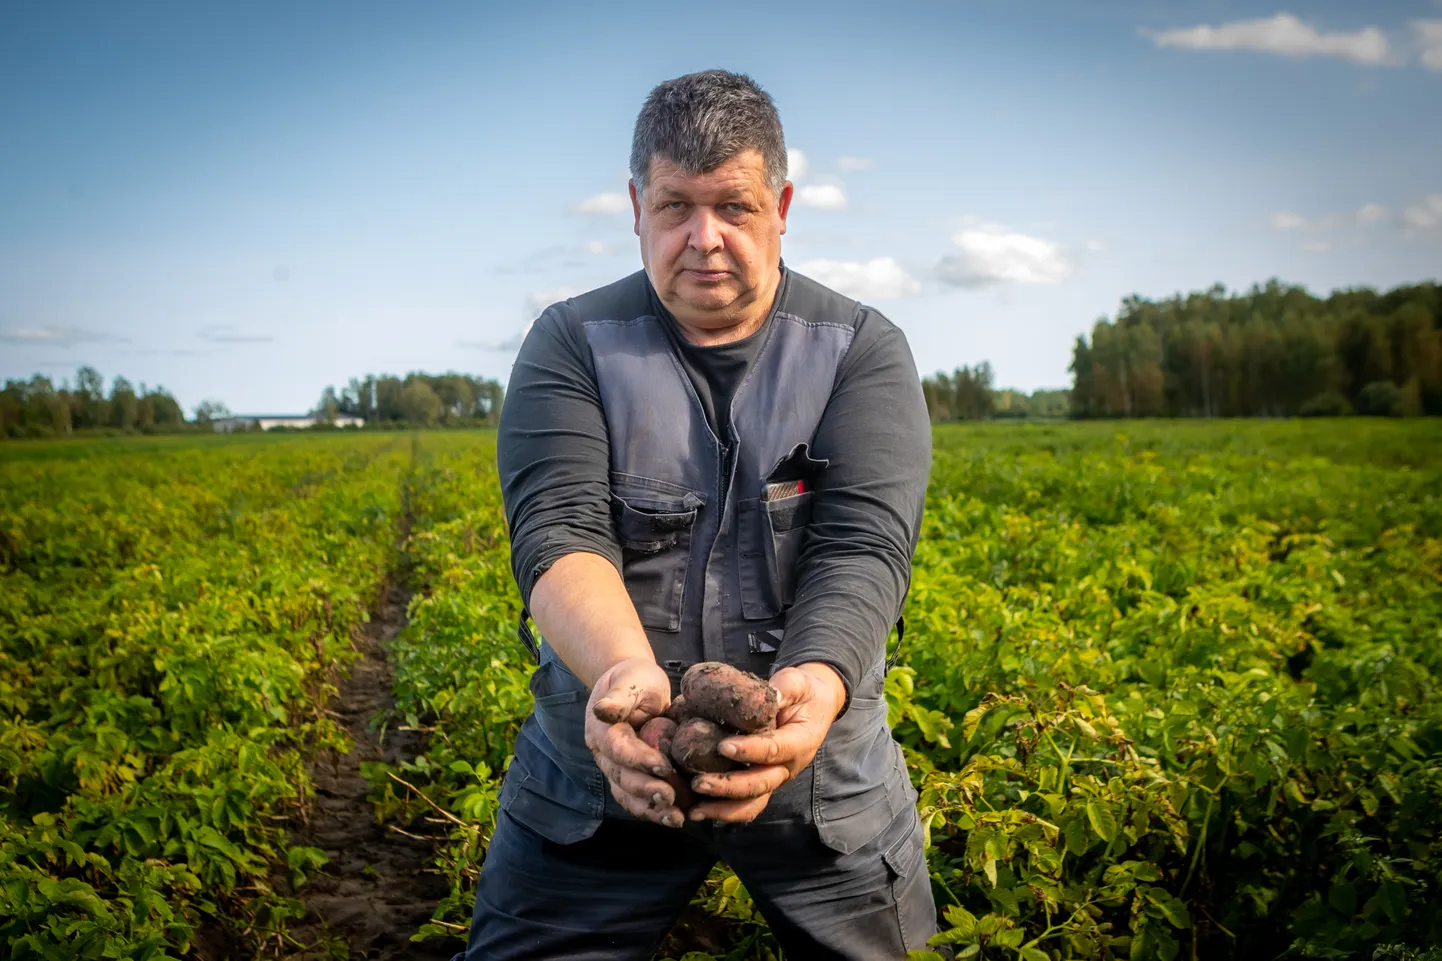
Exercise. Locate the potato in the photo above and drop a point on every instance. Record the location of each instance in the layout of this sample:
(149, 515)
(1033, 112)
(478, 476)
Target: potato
(730, 697)
(695, 745)
(659, 733)
(678, 710)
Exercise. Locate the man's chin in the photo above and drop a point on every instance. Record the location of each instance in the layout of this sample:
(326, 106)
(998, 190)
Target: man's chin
(708, 297)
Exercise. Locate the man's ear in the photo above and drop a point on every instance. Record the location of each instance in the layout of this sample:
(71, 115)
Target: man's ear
(635, 205)
(783, 206)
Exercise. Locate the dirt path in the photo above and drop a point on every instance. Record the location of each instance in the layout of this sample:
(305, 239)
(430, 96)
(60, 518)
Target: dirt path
(374, 893)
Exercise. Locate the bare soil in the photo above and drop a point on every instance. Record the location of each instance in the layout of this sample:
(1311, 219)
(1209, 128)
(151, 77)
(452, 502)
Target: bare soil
(376, 891)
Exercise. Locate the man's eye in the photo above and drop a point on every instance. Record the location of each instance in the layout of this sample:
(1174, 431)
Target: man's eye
(675, 205)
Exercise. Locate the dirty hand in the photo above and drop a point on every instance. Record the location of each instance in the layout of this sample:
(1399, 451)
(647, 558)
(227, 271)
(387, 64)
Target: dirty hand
(811, 697)
(626, 696)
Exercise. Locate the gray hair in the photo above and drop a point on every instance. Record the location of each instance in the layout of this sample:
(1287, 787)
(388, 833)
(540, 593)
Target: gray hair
(702, 120)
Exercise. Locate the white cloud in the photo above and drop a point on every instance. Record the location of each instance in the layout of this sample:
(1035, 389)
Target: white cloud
(598, 249)
(854, 164)
(226, 334)
(54, 336)
(1286, 220)
(1282, 34)
(822, 196)
(1096, 246)
(879, 279)
(1317, 247)
(795, 165)
(1425, 214)
(1429, 39)
(539, 300)
(1373, 214)
(602, 204)
(995, 255)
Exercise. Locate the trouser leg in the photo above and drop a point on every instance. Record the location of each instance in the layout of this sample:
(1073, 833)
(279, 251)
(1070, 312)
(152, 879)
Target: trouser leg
(870, 905)
(610, 897)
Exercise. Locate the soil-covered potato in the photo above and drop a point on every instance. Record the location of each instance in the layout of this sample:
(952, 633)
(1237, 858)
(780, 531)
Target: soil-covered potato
(695, 747)
(658, 733)
(678, 710)
(730, 697)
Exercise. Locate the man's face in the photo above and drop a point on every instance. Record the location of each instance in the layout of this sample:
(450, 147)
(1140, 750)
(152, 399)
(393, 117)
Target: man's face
(711, 242)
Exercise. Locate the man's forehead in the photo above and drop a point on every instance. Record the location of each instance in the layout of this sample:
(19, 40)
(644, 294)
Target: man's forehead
(746, 172)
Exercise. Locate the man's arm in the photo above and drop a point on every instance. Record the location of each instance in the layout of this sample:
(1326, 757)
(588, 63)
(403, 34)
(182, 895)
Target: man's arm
(554, 462)
(855, 568)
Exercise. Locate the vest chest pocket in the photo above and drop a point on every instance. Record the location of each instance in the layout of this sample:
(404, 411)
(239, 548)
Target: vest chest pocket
(772, 534)
(654, 523)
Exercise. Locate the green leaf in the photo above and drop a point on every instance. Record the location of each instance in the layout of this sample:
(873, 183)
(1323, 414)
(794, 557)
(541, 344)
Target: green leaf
(960, 918)
(1033, 954)
(1172, 909)
(972, 719)
(1103, 822)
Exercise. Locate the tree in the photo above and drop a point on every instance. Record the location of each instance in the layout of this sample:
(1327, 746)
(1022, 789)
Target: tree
(207, 412)
(419, 404)
(124, 405)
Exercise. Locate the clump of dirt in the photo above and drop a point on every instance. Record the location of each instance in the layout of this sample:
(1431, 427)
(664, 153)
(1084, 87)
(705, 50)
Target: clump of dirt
(376, 890)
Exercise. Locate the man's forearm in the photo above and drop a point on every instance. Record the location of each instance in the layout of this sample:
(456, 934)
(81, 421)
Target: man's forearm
(582, 608)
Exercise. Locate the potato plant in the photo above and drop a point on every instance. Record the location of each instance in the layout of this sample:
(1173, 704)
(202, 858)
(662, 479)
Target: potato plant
(169, 618)
(1168, 689)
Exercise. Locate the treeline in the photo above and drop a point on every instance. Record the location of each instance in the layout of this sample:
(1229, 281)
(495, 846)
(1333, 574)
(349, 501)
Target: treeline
(38, 408)
(967, 393)
(420, 399)
(1271, 352)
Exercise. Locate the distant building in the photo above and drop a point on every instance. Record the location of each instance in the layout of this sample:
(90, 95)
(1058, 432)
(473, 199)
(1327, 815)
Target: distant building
(267, 421)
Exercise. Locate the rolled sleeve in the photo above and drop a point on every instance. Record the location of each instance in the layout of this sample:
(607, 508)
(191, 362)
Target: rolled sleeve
(553, 453)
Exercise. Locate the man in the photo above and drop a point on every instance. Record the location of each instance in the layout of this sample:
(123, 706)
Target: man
(714, 458)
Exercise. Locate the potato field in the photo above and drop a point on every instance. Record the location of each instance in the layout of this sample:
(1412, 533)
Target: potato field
(1167, 690)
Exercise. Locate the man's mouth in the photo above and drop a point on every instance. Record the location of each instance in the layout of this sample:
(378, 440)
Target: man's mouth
(707, 274)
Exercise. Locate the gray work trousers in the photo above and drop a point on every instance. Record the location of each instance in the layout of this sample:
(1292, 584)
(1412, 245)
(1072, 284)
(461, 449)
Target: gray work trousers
(615, 895)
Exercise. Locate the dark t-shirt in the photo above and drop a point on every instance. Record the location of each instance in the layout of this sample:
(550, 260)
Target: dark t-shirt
(554, 461)
(716, 371)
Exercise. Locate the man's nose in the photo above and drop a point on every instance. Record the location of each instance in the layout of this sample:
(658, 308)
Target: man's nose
(706, 230)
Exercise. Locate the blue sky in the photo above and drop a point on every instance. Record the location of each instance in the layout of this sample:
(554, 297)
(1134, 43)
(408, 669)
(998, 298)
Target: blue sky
(249, 203)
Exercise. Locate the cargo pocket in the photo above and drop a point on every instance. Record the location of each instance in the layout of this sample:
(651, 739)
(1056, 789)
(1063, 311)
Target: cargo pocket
(906, 867)
(560, 711)
(654, 523)
(860, 781)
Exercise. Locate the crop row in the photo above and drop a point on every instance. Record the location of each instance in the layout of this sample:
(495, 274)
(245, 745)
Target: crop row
(169, 622)
(1166, 690)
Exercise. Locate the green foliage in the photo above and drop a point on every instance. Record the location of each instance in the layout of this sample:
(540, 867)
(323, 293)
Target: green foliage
(418, 399)
(1381, 398)
(1275, 350)
(1168, 692)
(1165, 693)
(1195, 687)
(37, 408)
(169, 621)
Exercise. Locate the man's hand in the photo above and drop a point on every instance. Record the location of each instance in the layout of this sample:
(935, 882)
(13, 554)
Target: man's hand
(625, 697)
(811, 697)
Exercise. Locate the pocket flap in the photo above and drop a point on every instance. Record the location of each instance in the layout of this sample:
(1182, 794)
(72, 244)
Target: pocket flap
(798, 464)
(649, 530)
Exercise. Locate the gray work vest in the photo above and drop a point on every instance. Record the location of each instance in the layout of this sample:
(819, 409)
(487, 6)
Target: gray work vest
(708, 559)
